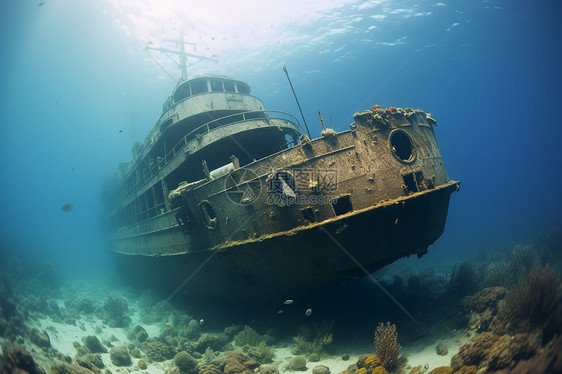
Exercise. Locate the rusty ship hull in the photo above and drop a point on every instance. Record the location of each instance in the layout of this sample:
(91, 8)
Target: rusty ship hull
(299, 261)
(323, 210)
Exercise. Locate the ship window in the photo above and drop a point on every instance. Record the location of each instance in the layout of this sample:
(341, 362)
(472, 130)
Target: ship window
(401, 145)
(199, 86)
(216, 86)
(182, 92)
(308, 214)
(142, 209)
(342, 205)
(151, 212)
(229, 87)
(208, 213)
(410, 183)
(159, 194)
(243, 88)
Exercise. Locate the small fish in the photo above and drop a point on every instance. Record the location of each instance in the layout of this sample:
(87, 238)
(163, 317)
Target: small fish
(67, 207)
(201, 322)
(120, 131)
(288, 302)
(280, 311)
(41, 4)
(308, 312)
(166, 321)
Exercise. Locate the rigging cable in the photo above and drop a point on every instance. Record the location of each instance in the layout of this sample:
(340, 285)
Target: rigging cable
(161, 67)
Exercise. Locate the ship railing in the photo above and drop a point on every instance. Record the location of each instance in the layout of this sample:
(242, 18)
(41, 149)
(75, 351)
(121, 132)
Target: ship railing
(153, 167)
(140, 216)
(148, 172)
(227, 121)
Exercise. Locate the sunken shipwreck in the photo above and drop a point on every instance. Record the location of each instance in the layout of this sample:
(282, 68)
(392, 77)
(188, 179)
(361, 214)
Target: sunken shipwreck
(225, 197)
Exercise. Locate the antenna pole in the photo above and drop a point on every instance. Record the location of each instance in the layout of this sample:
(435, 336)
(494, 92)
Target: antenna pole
(183, 59)
(182, 53)
(302, 115)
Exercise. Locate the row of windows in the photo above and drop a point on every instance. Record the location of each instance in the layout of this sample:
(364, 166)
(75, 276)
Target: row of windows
(203, 85)
(148, 205)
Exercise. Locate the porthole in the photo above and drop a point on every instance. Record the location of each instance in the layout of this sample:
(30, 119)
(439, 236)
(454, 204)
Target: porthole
(208, 213)
(401, 146)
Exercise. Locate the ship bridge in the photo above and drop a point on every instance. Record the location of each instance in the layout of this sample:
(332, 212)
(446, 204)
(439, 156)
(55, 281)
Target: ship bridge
(202, 99)
(214, 117)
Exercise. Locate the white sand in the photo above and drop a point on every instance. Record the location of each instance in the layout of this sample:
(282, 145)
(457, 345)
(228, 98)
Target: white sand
(423, 352)
(283, 356)
(63, 335)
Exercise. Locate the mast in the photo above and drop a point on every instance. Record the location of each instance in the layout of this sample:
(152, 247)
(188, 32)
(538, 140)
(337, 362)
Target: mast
(181, 53)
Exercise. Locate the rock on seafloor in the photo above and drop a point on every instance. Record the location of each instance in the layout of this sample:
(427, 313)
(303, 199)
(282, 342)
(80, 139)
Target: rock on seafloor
(119, 356)
(16, 359)
(321, 369)
(441, 349)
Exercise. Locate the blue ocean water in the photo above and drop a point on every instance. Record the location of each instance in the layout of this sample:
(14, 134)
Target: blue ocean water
(78, 90)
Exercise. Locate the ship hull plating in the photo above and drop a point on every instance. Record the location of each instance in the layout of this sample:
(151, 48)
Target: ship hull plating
(300, 260)
(334, 208)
